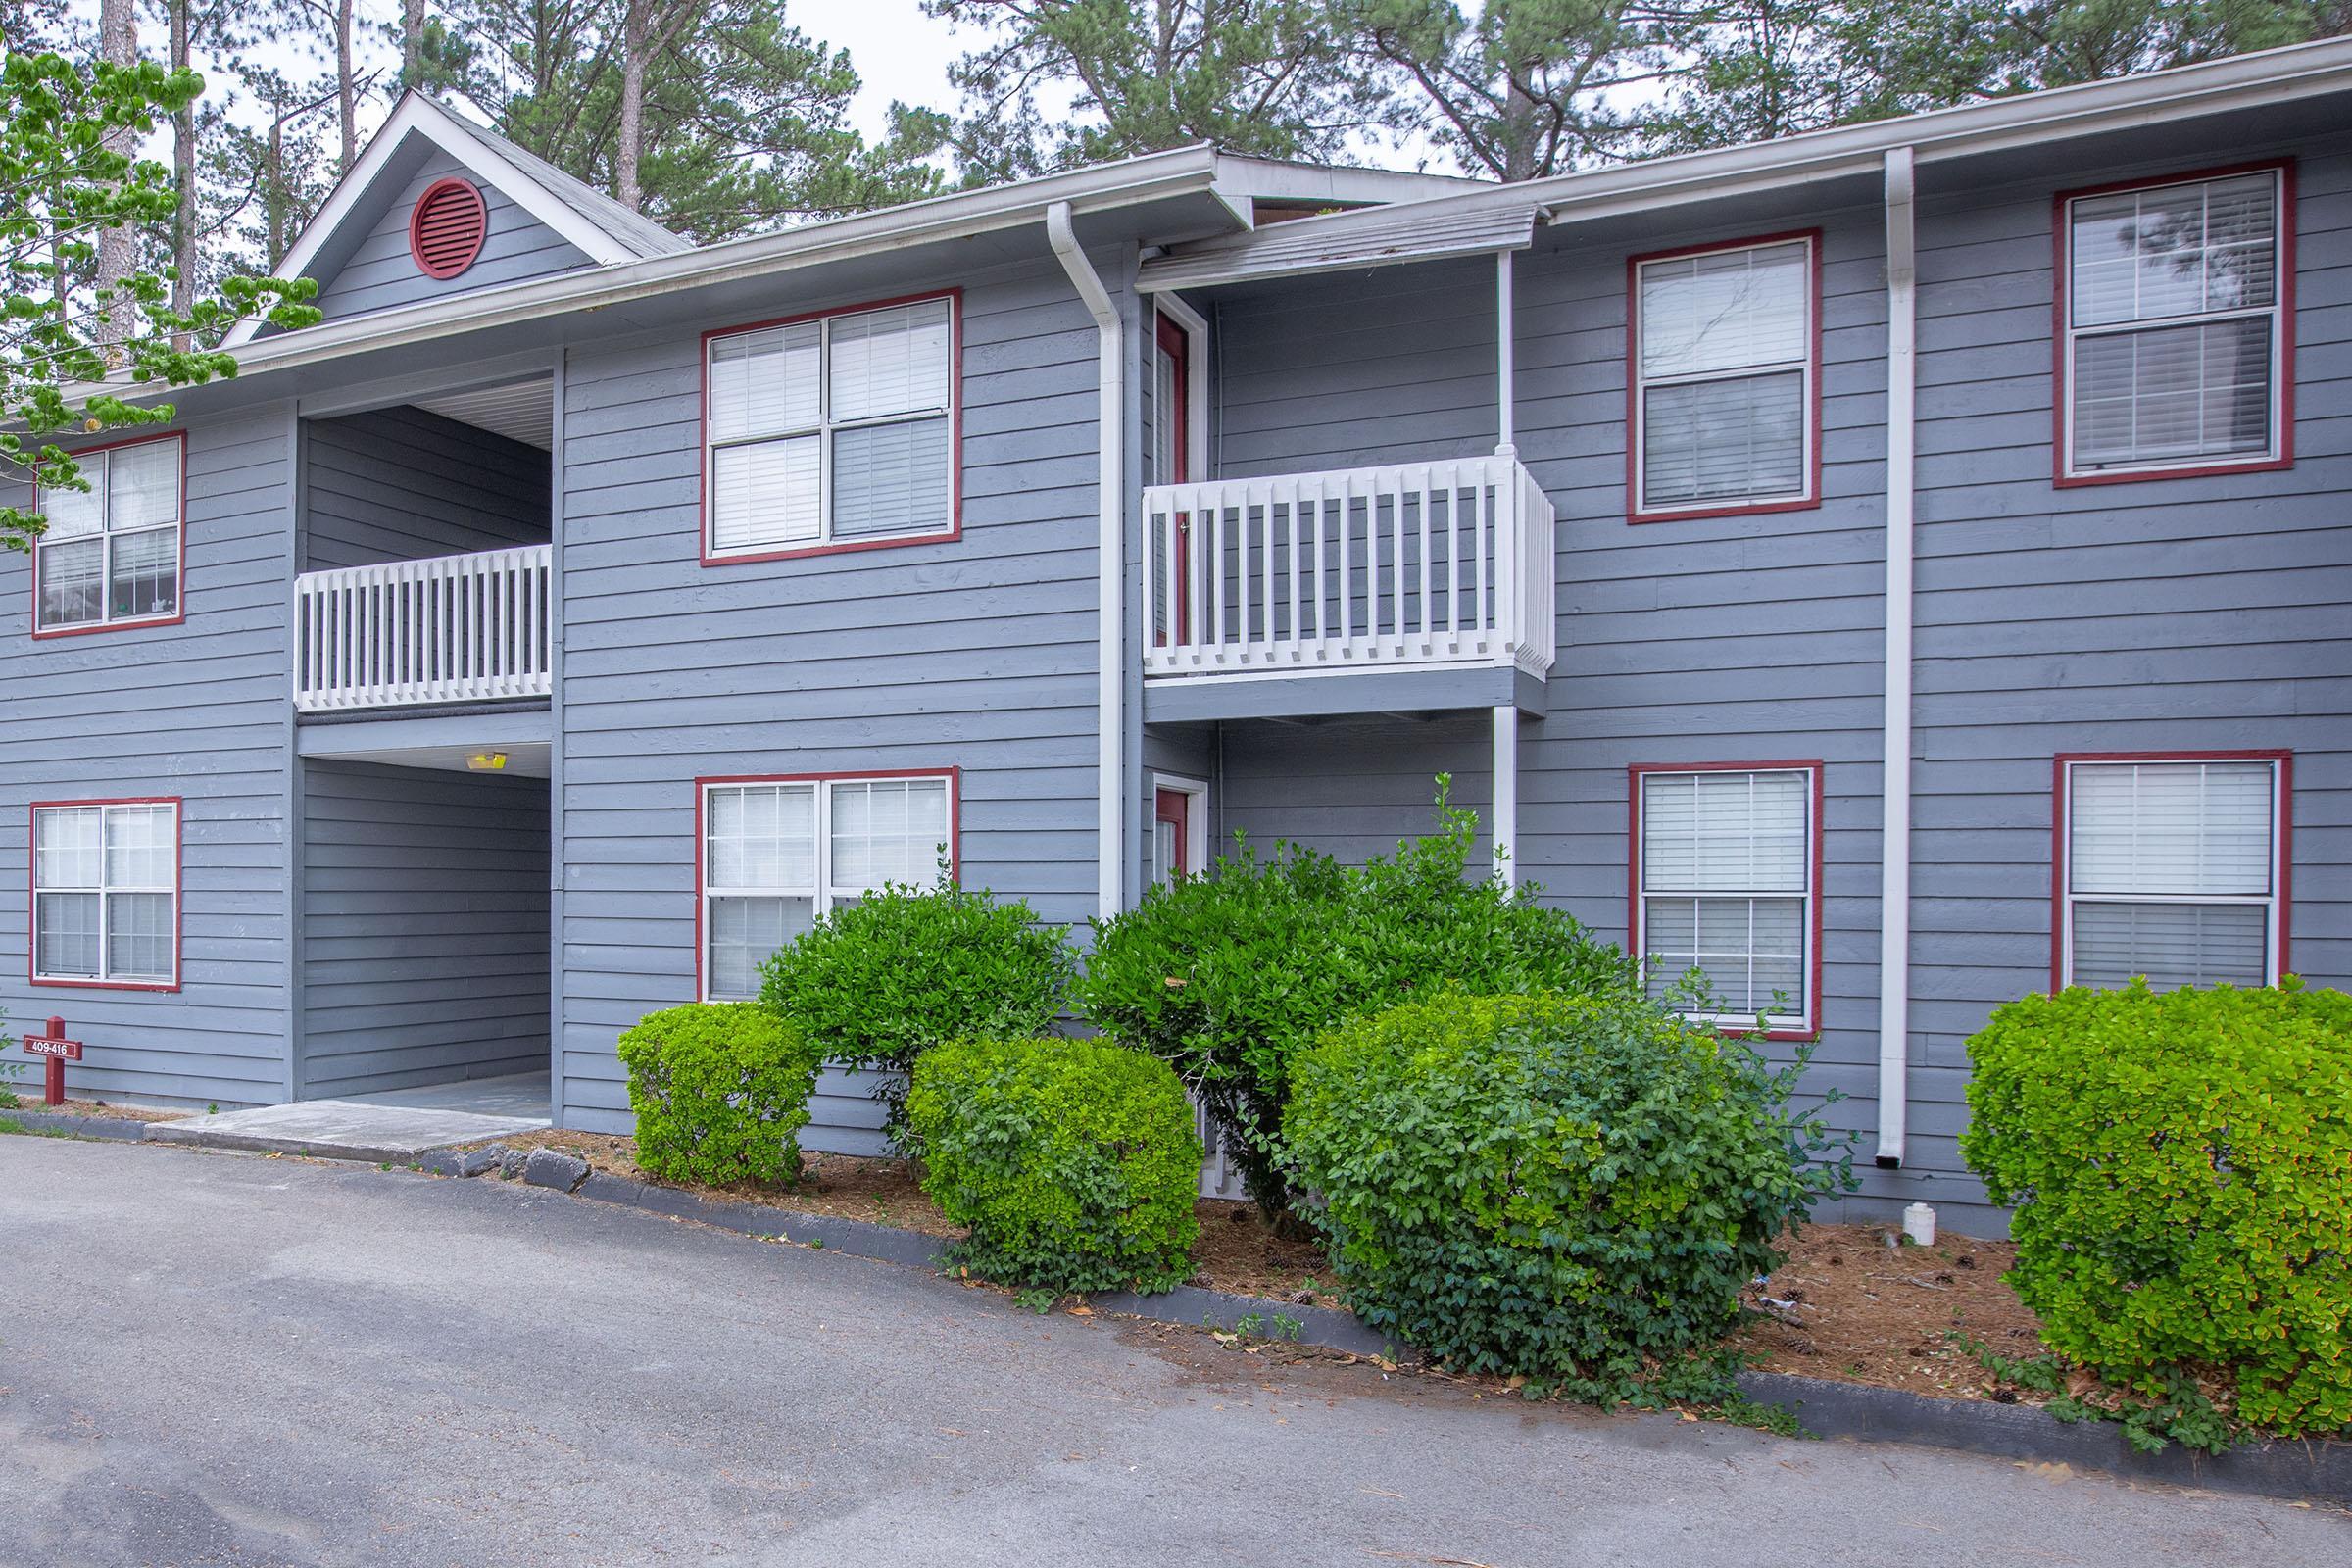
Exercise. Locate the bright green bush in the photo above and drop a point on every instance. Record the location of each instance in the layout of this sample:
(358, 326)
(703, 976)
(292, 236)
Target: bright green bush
(2180, 1167)
(1570, 1189)
(1072, 1161)
(879, 981)
(721, 1090)
(1226, 976)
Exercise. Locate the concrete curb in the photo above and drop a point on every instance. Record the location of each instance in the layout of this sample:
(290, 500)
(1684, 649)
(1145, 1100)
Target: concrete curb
(2317, 1468)
(119, 1128)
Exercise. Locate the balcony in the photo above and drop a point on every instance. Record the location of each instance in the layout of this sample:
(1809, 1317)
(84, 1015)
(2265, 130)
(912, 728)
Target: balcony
(1411, 566)
(470, 628)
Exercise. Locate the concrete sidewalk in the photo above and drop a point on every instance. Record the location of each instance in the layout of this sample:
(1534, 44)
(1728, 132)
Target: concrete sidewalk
(340, 1129)
(213, 1358)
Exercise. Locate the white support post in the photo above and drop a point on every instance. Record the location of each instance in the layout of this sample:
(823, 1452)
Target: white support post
(1506, 437)
(1894, 839)
(1507, 794)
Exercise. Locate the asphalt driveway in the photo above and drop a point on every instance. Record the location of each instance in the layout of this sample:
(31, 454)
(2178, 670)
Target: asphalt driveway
(226, 1360)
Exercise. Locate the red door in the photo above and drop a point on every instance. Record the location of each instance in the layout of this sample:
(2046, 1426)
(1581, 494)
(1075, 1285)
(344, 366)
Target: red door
(1171, 835)
(1171, 451)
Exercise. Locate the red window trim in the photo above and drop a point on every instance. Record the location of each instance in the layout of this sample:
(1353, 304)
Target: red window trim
(2061, 300)
(954, 529)
(180, 891)
(1632, 867)
(1635, 512)
(2282, 839)
(702, 862)
(128, 624)
(481, 216)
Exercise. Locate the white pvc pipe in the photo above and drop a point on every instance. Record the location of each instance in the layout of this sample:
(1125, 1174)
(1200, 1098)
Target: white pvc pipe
(1110, 568)
(1894, 839)
(1506, 437)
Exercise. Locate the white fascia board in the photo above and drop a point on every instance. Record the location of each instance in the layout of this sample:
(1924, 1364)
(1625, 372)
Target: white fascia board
(2265, 78)
(1155, 176)
(417, 114)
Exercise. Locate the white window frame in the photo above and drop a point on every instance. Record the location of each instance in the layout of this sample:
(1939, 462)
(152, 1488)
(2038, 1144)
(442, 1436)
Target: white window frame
(2280, 312)
(1807, 492)
(2274, 900)
(1195, 818)
(102, 889)
(1806, 1019)
(825, 428)
(822, 891)
(102, 458)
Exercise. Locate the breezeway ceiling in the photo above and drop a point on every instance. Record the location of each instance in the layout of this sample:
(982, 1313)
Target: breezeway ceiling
(520, 410)
(525, 759)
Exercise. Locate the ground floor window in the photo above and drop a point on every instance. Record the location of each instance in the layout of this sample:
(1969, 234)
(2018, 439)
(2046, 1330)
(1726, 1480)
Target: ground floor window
(2171, 868)
(106, 893)
(779, 852)
(1725, 860)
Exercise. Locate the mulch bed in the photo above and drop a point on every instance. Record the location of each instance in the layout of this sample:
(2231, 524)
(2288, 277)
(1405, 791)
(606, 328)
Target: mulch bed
(99, 1107)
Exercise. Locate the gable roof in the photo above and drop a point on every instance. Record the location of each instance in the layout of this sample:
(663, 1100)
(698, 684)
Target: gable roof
(602, 228)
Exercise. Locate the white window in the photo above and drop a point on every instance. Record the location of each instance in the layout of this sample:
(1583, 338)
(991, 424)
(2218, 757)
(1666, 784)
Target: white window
(2172, 871)
(779, 853)
(832, 431)
(1724, 884)
(106, 893)
(111, 553)
(2174, 325)
(1723, 370)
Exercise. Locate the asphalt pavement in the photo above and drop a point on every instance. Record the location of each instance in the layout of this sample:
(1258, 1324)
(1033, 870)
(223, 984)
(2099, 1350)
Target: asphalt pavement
(227, 1359)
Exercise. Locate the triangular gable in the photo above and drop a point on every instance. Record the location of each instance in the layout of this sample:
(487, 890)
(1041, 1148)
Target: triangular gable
(538, 221)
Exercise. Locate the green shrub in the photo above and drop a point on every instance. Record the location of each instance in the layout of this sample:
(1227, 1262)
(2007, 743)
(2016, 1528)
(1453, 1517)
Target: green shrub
(1570, 1189)
(1226, 976)
(721, 1090)
(1073, 1161)
(2181, 1166)
(879, 981)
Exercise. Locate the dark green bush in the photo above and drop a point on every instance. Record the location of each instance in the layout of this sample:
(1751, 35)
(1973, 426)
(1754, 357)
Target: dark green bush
(1226, 976)
(879, 981)
(1073, 1161)
(2180, 1167)
(721, 1088)
(1570, 1189)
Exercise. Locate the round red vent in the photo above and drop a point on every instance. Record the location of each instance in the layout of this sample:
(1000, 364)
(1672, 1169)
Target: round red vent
(447, 228)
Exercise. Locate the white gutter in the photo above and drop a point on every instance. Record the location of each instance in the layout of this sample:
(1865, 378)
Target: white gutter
(1111, 561)
(1894, 834)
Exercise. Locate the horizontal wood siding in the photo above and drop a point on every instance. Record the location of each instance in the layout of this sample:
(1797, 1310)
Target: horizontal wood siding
(381, 273)
(197, 710)
(1704, 640)
(2190, 614)
(976, 654)
(424, 910)
(400, 484)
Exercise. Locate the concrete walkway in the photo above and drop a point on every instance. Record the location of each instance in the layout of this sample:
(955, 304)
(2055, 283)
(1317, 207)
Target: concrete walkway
(217, 1360)
(340, 1129)
(521, 1093)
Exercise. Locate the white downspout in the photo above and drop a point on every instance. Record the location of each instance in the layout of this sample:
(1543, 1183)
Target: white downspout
(1894, 839)
(1111, 566)
(1505, 715)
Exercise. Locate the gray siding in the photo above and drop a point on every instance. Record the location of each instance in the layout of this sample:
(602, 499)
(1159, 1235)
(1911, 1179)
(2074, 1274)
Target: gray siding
(381, 273)
(976, 654)
(197, 710)
(2165, 615)
(424, 910)
(400, 484)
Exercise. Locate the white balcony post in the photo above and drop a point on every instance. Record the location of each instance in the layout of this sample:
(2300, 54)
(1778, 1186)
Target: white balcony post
(1507, 794)
(1507, 438)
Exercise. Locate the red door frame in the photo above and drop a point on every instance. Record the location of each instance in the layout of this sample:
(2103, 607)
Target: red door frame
(1176, 344)
(1175, 807)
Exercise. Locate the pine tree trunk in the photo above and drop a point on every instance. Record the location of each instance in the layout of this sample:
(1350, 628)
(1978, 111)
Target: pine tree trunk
(629, 147)
(347, 90)
(118, 44)
(412, 42)
(273, 191)
(183, 176)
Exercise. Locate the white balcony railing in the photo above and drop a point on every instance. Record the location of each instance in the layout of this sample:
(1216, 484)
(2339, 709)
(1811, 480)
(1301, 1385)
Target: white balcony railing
(1412, 565)
(449, 629)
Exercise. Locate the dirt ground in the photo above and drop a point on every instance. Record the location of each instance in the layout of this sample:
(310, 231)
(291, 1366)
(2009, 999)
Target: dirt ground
(1849, 1307)
(28, 1097)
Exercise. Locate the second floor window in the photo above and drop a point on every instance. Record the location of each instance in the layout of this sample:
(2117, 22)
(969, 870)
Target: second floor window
(2176, 329)
(1723, 370)
(831, 432)
(781, 854)
(110, 556)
